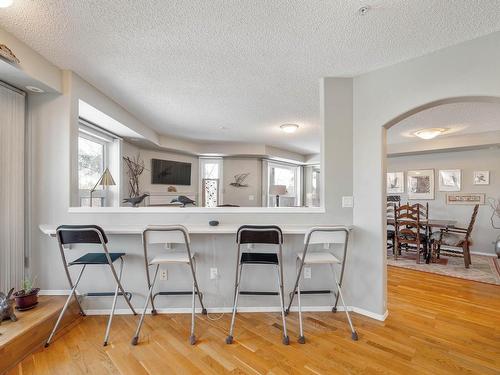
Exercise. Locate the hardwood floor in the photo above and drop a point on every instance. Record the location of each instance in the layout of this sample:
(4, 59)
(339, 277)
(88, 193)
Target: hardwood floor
(19, 339)
(437, 325)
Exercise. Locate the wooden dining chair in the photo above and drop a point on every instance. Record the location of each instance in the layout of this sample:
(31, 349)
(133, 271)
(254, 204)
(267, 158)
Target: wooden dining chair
(455, 237)
(410, 232)
(424, 217)
(391, 225)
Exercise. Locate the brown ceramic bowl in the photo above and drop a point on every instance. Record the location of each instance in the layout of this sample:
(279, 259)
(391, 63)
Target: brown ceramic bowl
(26, 301)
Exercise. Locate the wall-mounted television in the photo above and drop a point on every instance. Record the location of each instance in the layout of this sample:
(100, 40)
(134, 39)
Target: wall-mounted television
(170, 172)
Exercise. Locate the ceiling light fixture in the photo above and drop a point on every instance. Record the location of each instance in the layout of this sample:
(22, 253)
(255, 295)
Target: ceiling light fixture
(6, 3)
(430, 133)
(289, 128)
(34, 88)
(363, 10)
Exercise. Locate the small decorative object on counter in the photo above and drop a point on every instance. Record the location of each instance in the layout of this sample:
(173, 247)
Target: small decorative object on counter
(183, 200)
(6, 307)
(27, 297)
(135, 201)
(213, 223)
(172, 189)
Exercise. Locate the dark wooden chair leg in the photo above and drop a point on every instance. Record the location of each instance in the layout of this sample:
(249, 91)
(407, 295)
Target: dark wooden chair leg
(466, 255)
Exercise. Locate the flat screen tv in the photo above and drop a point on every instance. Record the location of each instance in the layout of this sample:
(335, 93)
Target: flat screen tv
(170, 172)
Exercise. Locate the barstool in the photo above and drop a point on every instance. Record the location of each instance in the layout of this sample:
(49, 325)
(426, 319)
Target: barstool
(89, 235)
(169, 234)
(253, 234)
(330, 236)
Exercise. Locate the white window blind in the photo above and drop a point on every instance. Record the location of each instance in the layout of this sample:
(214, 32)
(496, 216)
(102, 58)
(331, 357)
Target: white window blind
(12, 216)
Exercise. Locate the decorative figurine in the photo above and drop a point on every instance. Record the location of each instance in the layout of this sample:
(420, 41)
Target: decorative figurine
(7, 307)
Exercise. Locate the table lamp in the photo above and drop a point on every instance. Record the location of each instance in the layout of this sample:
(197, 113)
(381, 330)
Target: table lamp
(105, 180)
(277, 190)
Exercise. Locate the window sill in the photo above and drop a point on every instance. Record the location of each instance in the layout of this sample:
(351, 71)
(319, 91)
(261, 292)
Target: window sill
(195, 210)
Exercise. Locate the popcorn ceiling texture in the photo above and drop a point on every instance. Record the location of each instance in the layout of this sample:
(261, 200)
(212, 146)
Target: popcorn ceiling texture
(187, 68)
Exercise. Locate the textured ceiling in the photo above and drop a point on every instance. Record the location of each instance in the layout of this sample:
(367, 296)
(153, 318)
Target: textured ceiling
(188, 68)
(459, 118)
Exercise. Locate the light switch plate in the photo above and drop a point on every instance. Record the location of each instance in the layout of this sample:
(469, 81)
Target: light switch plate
(347, 202)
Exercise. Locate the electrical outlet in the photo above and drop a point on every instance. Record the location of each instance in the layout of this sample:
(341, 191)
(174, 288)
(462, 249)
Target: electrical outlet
(307, 273)
(251, 197)
(163, 274)
(213, 273)
(326, 246)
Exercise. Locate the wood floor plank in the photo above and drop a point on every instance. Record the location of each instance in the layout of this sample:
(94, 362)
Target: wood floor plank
(436, 325)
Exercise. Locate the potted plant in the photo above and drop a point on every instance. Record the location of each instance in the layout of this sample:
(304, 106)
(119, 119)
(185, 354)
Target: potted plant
(27, 297)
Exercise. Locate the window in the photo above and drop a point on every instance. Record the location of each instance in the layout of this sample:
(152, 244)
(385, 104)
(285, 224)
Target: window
(93, 151)
(288, 176)
(211, 177)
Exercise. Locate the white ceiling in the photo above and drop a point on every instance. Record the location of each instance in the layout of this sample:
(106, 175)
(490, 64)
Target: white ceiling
(459, 118)
(188, 68)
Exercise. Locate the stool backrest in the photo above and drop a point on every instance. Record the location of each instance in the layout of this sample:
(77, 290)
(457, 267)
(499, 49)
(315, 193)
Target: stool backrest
(259, 234)
(327, 234)
(81, 234)
(166, 234)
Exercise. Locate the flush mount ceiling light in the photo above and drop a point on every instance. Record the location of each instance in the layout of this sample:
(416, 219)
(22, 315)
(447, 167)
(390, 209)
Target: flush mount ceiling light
(430, 133)
(289, 128)
(363, 10)
(6, 3)
(33, 88)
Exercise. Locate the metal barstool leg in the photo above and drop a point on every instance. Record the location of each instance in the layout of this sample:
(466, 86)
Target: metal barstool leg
(149, 297)
(115, 297)
(229, 338)
(65, 307)
(192, 338)
(302, 339)
(197, 289)
(354, 334)
(286, 339)
(120, 287)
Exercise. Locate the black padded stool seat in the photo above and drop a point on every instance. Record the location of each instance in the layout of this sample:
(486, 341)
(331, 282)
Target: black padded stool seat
(259, 258)
(96, 258)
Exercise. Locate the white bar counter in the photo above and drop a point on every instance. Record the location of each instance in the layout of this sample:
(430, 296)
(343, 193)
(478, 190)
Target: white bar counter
(192, 228)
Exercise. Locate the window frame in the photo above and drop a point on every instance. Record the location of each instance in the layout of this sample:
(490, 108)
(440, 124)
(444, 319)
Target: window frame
(89, 133)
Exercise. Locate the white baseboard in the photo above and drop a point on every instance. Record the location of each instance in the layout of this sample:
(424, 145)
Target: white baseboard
(54, 292)
(218, 310)
(484, 254)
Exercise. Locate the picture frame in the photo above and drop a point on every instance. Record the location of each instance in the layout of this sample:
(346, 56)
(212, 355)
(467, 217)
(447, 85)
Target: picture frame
(481, 177)
(465, 198)
(450, 180)
(420, 184)
(395, 182)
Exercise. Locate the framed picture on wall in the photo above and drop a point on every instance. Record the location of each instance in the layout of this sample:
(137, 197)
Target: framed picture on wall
(395, 182)
(450, 180)
(481, 177)
(465, 198)
(420, 184)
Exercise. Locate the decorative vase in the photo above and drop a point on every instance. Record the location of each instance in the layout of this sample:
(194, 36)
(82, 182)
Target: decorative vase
(26, 301)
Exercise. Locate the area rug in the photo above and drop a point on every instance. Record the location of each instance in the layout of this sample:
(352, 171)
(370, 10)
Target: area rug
(484, 269)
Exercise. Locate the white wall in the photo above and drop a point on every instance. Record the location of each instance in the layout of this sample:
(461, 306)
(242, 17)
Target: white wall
(241, 195)
(468, 162)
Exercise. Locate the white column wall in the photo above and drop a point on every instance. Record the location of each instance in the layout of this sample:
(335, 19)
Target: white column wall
(467, 70)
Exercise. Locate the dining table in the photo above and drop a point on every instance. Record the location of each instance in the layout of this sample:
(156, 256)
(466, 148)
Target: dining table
(430, 224)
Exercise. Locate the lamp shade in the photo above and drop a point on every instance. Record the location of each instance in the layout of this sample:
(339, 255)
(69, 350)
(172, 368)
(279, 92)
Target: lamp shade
(106, 179)
(277, 190)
